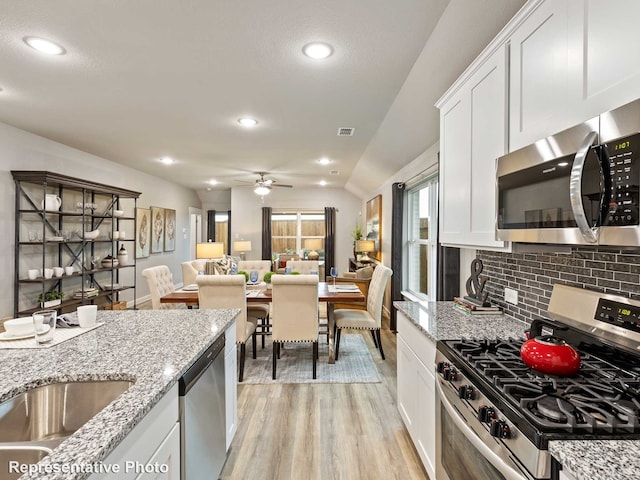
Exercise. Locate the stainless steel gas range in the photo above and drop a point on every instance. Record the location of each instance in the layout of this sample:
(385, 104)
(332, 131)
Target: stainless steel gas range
(495, 416)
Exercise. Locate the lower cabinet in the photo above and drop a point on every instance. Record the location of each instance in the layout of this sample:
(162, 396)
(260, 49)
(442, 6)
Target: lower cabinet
(152, 448)
(231, 383)
(416, 389)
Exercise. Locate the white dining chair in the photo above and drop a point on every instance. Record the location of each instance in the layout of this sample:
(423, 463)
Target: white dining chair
(160, 282)
(229, 291)
(295, 313)
(369, 319)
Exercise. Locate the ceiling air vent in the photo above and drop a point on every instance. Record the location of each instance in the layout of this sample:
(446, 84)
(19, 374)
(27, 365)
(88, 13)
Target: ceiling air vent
(334, 172)
(346, 131)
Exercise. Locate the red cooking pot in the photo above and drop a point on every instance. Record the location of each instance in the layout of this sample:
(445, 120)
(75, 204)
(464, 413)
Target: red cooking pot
(549, 354)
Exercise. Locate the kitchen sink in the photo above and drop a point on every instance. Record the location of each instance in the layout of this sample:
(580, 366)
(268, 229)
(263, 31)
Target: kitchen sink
(33, 423)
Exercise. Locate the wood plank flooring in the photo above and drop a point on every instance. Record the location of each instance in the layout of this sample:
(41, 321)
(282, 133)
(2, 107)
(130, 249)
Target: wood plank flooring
(324, 431)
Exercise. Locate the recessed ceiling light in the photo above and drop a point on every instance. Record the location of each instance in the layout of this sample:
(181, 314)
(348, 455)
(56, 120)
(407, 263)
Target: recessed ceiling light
(247, 122)
(213, 182)
(324, 161)
(167, 160)
(322, 183)
(317, 50)
(44, 46)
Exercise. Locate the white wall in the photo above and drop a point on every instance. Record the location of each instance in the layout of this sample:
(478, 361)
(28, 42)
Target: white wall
(20, 150)
(246, 215)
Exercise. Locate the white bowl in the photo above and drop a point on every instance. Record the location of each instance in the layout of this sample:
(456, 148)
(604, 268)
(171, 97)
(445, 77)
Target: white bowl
(92, 234)
(118, 213)
(19, 326)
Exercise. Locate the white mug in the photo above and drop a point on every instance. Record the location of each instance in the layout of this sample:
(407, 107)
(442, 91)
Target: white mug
(68, 270)
(115, 235)
(33, 274)
(58, 271)
(48, 272)
(122, 234)
(87, 315)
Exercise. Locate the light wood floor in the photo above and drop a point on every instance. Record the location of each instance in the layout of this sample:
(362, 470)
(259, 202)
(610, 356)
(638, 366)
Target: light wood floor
(324, 431)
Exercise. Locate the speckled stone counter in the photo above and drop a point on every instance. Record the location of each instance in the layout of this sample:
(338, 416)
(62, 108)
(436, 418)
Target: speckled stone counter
(443, 321)
(583, 459)
(151, 348)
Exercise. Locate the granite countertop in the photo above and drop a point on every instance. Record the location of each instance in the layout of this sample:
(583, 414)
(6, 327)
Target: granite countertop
(583, 459)
(443, 321)
(153, 348)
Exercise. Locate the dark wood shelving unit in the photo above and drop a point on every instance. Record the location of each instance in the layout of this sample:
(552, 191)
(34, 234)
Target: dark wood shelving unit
(31, 189)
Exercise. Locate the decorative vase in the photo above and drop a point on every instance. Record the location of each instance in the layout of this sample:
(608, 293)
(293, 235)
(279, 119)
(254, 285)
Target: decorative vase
(123, 256)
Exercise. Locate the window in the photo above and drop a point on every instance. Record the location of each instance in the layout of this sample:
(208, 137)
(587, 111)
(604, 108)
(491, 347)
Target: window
(422, 236)
(290, 230)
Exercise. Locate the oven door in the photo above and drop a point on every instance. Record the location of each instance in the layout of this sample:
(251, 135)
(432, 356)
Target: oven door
(464, 447)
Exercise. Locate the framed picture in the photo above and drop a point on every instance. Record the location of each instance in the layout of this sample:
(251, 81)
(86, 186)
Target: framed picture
(373, 230)
(157, 229)
(143, 232)
(169, 230)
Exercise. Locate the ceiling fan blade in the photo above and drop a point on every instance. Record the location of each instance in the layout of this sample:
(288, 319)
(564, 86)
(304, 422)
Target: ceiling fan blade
(280, 185)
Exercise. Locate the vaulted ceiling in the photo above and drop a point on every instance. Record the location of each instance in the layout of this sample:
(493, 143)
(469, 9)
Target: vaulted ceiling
(154, 78)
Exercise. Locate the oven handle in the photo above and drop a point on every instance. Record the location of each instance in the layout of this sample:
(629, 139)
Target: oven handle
(575, 189)
(508, 472)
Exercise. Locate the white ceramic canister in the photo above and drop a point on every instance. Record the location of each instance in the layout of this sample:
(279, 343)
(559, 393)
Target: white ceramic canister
(123, 256)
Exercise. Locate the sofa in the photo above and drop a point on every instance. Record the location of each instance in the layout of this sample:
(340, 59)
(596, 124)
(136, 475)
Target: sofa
(191, 268)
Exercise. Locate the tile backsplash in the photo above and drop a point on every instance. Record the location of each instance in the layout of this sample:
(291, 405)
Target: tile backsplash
(534, 274)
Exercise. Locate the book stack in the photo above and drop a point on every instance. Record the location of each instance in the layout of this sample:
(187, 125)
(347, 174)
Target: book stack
(88, 292)
(473, 309)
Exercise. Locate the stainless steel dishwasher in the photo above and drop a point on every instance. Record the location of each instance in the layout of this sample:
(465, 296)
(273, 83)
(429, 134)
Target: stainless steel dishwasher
(202, 416)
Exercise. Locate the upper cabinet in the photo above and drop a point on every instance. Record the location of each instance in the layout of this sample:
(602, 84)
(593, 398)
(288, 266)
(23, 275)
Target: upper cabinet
(472, 136)
(555, 64)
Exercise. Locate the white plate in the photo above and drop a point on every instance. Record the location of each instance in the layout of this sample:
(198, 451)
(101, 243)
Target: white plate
(191, 288)
(6, 336)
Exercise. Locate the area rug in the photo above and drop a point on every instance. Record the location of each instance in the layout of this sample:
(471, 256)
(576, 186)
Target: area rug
(355, 364)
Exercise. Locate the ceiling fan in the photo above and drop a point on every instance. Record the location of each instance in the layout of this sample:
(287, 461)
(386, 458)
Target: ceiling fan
(263, 186)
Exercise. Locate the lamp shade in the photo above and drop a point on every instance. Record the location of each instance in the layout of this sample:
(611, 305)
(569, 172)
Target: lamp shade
(242, 246)
(210, 250)
(365, 246)
(313, 243)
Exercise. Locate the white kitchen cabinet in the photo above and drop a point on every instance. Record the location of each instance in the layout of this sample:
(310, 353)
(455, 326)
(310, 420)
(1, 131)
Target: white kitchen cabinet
(155, 439)
(472, 136)
(416, 389)
(231, 383)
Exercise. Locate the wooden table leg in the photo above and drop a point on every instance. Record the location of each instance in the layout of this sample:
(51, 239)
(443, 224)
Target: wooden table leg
(331, 327)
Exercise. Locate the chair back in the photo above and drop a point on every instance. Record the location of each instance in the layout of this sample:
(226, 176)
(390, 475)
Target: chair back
(361, 283)
(304, 267)
(160, 281)
(295, 308)
(225, 291)
(261, 266)
(377, 286)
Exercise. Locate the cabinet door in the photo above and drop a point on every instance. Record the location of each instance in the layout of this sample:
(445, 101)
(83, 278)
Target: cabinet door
(407, 395)
(604, 61)
(454, 174)
(538, 75)
(426, 418)
(231, 393)
(165, 462)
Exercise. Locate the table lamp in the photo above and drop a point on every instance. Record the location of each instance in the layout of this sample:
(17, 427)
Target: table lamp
(210, 250)
(313, 244)
(242, 246)
(365, 246)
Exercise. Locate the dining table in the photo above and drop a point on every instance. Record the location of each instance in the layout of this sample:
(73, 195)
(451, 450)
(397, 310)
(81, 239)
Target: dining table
(327, 293)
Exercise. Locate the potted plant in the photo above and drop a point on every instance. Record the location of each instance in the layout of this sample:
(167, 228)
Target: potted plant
(51, 299)
(267, 279)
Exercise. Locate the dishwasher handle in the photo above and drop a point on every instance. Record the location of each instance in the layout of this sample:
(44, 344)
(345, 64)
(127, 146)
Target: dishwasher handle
(195, 371)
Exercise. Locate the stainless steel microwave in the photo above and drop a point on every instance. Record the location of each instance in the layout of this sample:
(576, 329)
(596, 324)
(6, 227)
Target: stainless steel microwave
(578, 187)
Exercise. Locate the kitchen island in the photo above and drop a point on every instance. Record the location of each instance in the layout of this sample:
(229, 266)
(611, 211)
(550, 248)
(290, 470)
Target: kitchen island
(580, 459)
(152, 349)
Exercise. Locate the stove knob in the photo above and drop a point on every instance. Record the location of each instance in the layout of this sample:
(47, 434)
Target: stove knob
(450, 373)
(487, 414)
(442, 366)
(500, 429)
(466, 392)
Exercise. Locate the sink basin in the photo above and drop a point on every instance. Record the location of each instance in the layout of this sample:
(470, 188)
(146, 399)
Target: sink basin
(23, 454)
(55, 411)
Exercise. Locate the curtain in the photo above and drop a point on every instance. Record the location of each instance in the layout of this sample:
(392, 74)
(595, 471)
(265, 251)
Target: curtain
(211, 226)
(397, 216)
(228, 232)
(329, 238)
(266, 233)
